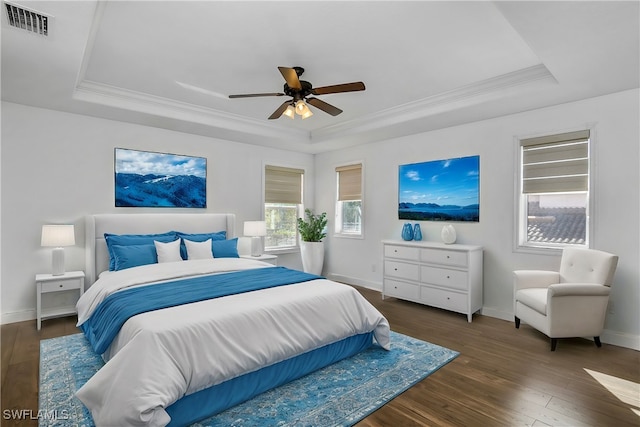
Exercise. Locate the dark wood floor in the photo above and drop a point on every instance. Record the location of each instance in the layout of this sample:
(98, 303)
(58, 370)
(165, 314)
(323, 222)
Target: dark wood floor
(503, 376)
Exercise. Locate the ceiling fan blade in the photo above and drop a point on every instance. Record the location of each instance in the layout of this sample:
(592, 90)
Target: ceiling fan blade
(345, 87)
(276, 114)
(291, 76)
(253, 95)
(327, 108)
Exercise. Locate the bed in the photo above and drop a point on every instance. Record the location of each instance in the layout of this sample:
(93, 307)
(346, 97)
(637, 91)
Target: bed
(185, 339)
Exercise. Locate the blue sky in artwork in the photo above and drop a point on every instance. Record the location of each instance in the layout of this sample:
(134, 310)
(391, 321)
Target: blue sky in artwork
(145, 162)
(445, 182)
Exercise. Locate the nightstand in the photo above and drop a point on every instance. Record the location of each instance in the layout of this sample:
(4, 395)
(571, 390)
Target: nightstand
(271, 259)
(47, 283)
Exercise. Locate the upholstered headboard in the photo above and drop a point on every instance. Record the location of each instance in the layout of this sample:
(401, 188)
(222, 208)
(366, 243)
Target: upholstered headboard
(97, 256)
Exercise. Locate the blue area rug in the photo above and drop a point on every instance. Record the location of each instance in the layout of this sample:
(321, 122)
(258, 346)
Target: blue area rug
(339, 395)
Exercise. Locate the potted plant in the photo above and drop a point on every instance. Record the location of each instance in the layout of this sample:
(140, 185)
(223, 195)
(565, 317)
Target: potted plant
(312, 231)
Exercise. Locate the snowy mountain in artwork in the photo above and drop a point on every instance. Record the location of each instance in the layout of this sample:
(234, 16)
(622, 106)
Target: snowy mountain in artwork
(149, 179)
(163, 191)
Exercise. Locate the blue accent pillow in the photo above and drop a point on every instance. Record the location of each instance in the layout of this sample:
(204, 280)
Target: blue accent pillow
(225, 248)
(133, 256)
(198, 237)
(135, 239)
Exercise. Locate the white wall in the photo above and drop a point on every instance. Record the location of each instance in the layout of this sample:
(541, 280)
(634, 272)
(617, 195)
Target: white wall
(58, 167)
(616, 150)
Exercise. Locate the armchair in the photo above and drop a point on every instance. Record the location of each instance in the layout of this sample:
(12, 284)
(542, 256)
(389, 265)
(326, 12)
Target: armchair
(571, 302)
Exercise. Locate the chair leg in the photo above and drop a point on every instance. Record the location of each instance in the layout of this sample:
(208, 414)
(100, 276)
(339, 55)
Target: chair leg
(554, 342)
(517, 323)
(597, 341)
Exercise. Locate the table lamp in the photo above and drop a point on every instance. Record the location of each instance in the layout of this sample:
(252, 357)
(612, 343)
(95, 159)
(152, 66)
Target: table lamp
(57, 236)
(256, 230)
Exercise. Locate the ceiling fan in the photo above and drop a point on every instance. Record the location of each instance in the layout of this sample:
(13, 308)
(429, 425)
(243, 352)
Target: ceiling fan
(299, 91)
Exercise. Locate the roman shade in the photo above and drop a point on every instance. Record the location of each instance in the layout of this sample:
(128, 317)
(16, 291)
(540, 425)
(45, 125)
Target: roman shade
(349, 182)
(283, 185)
(556, 163)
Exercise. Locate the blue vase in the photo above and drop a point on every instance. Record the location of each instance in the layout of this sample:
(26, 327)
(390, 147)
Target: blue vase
(417, 233)
(407, 232)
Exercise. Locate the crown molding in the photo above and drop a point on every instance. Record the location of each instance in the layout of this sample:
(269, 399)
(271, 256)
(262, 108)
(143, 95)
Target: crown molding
(465, 96)
(120, 98)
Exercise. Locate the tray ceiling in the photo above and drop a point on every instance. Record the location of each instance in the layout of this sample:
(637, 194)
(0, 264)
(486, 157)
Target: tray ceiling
(426, 65)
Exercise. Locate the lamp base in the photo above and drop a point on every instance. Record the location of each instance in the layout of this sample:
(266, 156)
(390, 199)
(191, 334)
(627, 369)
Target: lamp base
(256, 246)
(57, 262)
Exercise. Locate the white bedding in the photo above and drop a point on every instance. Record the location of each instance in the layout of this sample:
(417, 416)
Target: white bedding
(162, 355)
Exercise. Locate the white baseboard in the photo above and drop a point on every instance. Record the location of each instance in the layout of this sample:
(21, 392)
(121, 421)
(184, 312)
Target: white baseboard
(498, 314)
(18, 316)
(376, 286)
(621, 339)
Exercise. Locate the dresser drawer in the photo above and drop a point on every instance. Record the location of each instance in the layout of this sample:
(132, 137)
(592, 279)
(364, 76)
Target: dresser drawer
(401, 270)
(394, 288)
(443, 256)
(453, 279)
(443, 299)
(402, 252)
(60, 285)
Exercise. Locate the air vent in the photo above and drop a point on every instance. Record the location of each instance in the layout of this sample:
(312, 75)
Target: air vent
(28, 20)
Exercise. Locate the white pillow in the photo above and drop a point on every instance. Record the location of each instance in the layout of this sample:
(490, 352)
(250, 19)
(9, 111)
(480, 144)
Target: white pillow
(198, 250)
(168, 252)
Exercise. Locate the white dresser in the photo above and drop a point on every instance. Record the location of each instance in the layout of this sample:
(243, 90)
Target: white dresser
(435, 274)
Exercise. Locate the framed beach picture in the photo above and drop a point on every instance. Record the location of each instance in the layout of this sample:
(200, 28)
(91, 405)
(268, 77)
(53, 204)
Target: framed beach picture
(440, 190)
(149, 179)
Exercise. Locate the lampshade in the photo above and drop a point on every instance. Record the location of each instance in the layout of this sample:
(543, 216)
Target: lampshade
(290, 112)
(301, 107)
(307, 114)
(58, 235)
(255, 228)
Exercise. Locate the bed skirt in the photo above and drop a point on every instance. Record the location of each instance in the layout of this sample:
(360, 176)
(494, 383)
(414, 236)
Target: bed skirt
(213, 400)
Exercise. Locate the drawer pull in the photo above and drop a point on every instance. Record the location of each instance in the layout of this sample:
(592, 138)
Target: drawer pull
(448, 257)
(448, 277)
(395, 269)
(60, 285)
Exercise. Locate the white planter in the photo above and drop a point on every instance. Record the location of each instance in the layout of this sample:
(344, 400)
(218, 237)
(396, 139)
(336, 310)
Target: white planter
(312, 256)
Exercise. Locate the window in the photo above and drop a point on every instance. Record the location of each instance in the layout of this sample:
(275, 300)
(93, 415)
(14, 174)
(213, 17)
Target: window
(282, 206)
(349, 203)
(554, 190)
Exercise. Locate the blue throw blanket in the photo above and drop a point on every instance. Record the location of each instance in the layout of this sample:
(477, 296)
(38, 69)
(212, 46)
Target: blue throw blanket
(105, 322)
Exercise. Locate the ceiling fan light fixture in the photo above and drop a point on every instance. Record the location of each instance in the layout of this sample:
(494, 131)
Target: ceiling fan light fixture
(290, 112)
(298, 90)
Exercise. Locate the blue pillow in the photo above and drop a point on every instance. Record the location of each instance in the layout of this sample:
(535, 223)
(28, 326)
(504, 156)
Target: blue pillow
(133, 256)
(134, 239)
(198, 237)
(225, 248)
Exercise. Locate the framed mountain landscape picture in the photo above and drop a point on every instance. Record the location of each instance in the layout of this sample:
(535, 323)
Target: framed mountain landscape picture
(149, 179)
(440, 190)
